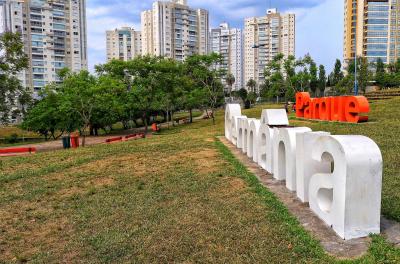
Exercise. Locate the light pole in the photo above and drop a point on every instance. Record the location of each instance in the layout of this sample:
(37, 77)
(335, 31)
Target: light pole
(355, 62)
(257, 46)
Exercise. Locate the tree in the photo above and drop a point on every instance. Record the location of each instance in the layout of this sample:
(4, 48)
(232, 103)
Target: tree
(230, 80)
(251, 84)
(46, 118)
(364, 74)
(321, 80)
(146, 89)
(242, 93)
(79, 92)
(252, 98)
(313, 77)
(286, 76)
(12, 61)
(337, 74)
(204, 70)
(380, 72)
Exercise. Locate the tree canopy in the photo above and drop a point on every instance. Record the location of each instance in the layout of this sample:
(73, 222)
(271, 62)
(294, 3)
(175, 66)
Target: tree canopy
(13, 97)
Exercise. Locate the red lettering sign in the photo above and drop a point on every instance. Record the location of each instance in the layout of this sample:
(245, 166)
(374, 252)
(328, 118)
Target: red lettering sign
(352, 109)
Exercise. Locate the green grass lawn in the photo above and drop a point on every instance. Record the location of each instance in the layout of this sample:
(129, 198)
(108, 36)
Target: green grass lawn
(179, 196)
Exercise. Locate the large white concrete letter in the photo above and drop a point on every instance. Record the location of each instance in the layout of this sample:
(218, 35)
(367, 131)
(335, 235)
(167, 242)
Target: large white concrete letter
(264, 150)
(253, 139)
(274, 117)
(242, 123)
(306, 166)
(246, 128)
(349, 198)
(231, 111)
(235, 129)
(284, 154)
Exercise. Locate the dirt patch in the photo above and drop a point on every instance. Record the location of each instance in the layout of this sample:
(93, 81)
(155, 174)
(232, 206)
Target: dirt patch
(27, 227)
(128, 164)
(65, 193)
(206, 160)
(101, 182)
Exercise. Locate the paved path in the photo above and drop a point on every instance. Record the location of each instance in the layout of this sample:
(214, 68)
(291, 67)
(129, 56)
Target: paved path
(57, 144)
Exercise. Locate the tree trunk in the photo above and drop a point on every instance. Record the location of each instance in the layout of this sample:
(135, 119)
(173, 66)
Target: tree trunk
(168, 119)
(191, 115)
(212, 115)
(145, 125)
(83, 133)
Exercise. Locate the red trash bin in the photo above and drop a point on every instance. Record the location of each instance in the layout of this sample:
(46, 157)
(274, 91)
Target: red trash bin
(75, 140)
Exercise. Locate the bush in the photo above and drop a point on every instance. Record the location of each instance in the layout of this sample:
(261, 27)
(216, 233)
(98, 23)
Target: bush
(12, 139)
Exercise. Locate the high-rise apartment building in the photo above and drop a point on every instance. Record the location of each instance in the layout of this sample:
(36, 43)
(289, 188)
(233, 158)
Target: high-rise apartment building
(264, 38)
(54, 36)
(123, 44)
(372, 30)
(228, 42)
(173, 29)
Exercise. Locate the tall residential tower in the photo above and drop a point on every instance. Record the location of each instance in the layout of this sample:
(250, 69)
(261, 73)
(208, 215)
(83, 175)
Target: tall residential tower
(123, 44)
(228, 42)
(372, 30)
(173, 29)
(54, 36)
(264, 38)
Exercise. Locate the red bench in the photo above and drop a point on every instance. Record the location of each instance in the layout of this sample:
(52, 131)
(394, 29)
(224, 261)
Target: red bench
(113, 140)
(16, 152)
(130, 136)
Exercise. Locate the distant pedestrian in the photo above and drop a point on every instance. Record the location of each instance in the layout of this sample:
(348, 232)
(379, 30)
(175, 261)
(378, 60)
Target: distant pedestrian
(287, 107)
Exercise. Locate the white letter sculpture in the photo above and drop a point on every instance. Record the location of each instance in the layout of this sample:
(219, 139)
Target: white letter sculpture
(274, 117)
(340, 176)
(284, 154)
(306, 166)
(241, 123)
(246, 129)
(349, 198)
(231, 111)
(269, 119)
(254, 128)
(264, 150)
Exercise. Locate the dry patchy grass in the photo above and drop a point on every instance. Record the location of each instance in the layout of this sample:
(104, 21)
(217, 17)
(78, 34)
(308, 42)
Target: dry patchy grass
(175, 197)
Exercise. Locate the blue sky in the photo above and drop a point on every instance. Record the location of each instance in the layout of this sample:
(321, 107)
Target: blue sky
(319, 23)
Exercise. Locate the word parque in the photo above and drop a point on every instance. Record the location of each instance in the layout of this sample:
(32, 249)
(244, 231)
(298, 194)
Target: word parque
(339, 176)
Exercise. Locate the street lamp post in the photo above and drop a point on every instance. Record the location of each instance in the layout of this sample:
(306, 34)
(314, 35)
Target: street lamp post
(257, 46)
(355, 63)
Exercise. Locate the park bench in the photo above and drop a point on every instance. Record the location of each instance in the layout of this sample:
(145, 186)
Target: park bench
(16, 152)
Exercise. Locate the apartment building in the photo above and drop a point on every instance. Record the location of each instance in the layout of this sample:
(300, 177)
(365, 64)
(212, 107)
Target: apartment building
(372, 30)
(123, 44)
(173, 29)
(228, 42)
(54, 36)
(264, 38)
